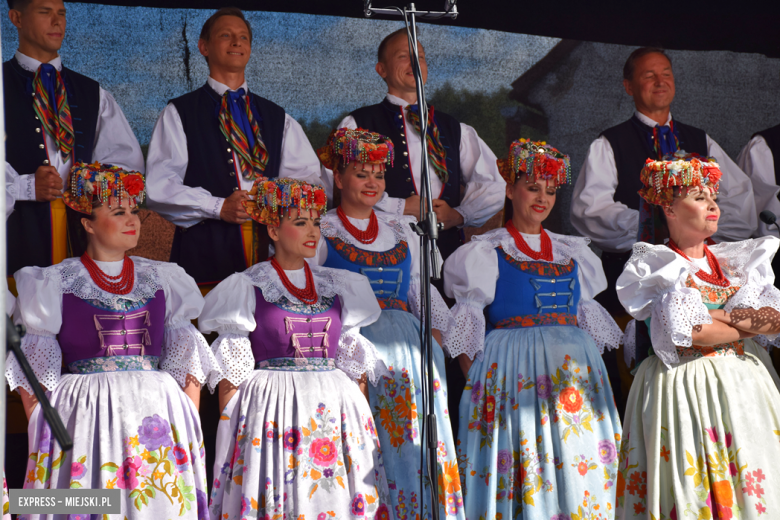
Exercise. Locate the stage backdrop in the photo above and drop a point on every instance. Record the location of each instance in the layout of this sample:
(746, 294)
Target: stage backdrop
(505, 85)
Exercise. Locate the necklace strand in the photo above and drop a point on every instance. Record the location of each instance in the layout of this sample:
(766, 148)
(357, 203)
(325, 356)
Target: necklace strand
(364, 237)
(119, 284)
(308, 294)
(545, 254)
(716, 278)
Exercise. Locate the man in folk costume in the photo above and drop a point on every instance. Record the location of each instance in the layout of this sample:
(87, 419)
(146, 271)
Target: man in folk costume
(53, 118)
(207, 148)
(760, 160)
(466, 185)
(605, 203)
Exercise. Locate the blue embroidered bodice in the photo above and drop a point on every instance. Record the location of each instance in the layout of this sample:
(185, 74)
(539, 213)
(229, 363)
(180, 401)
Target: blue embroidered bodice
(532, 294)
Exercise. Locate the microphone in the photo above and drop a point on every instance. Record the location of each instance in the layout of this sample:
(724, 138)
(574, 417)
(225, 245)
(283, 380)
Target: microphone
(769, 218)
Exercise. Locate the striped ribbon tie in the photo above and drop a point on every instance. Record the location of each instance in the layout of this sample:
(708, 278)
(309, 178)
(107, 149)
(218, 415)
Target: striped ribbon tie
(241, 129)
(432, 139)
(50, 102)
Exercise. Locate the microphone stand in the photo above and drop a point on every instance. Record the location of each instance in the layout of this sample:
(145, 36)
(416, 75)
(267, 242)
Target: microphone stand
(13, 341)
(428, 231)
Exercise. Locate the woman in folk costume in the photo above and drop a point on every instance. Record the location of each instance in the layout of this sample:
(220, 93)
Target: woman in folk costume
(702, 436)
(135, 363)
(296, 439)
(384, 248)
(539, 431)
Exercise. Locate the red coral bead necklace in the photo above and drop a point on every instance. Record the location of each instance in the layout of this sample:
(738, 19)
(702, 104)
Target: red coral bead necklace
(716, 278)
(545, 254)
(308, 294)
(364, 237)
(119, 284)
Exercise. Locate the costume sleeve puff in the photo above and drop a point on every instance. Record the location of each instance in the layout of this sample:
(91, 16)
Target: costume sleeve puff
(653, 286)
(185, 351)
(230, 311)
(470, 276)
(759, 291)
(39, 309)
(356, 355)
(591, 316)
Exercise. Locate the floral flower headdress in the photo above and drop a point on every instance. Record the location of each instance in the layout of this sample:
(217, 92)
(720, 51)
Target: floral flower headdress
(538, 160)
(682, 170)
(346, 145)
(272, 196)
(93, 184)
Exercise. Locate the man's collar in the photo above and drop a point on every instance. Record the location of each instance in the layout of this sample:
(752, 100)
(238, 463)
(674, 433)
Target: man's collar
(221, 88)
(649, 122)
(397, 101)
(31, 64)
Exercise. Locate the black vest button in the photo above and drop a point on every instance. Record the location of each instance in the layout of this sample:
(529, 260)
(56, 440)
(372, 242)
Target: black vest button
(41, 146)
(37, 130)
(232, 174)
(230, 161)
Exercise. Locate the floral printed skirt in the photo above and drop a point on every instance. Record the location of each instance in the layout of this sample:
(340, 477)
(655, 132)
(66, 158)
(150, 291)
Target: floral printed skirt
(134, 431)
(702, 440)
(6, 505)
(539, 431)
(298, 443)
(397, 405)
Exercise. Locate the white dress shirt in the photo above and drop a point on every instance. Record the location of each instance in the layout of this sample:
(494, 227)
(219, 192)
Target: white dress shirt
(757, 162)
(613, 226)
(167, 161)
(485, 188)
(115, 142)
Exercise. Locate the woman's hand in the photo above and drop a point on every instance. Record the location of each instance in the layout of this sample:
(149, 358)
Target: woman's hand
(226, 391)
(29, 401)
(717, 333)
(465, 364)
(765, 320)
(436, 333)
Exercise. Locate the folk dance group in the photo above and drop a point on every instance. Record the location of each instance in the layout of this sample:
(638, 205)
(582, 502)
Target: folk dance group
(315, 351)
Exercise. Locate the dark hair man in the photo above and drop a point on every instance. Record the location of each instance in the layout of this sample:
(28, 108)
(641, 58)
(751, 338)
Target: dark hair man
(209, 145)
(53, 117)
(459, 157)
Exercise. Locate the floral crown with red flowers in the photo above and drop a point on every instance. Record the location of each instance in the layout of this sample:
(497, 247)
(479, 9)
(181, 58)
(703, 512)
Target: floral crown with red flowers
(682, 170)
(93, 184)
(346, 145)
(272, 196)
(538, 160)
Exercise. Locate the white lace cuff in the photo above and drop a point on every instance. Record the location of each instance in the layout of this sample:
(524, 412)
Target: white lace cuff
(597, 322)
(185, 351)
(357, 356)
(767, 341)
(629, 343)
(468, 334)
(441, 317)
(674, 316)
(45, 358)
(234, 360)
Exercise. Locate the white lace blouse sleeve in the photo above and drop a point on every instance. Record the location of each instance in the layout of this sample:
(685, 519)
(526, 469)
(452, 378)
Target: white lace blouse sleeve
(356, 355)
(470, 275)
(591, 316)
(230, 310)
(39, 309)
(652, 286)
(441, 317)
(185, 351)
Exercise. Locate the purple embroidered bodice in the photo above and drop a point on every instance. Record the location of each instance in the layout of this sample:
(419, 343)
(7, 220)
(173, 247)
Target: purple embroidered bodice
(294, 330)
(89, 331)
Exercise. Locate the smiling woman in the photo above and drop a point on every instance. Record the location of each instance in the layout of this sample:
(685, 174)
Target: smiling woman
(122, 327)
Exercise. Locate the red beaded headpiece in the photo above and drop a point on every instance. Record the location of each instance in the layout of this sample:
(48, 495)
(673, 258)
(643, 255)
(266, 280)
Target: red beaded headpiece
(681, 170)
(346, 145)
(538, 160)
(93, 184)
(272, 196)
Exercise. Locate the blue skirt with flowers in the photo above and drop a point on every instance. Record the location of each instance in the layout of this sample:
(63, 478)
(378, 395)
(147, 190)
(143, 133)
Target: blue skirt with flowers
(539, 431)
(397, 404)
